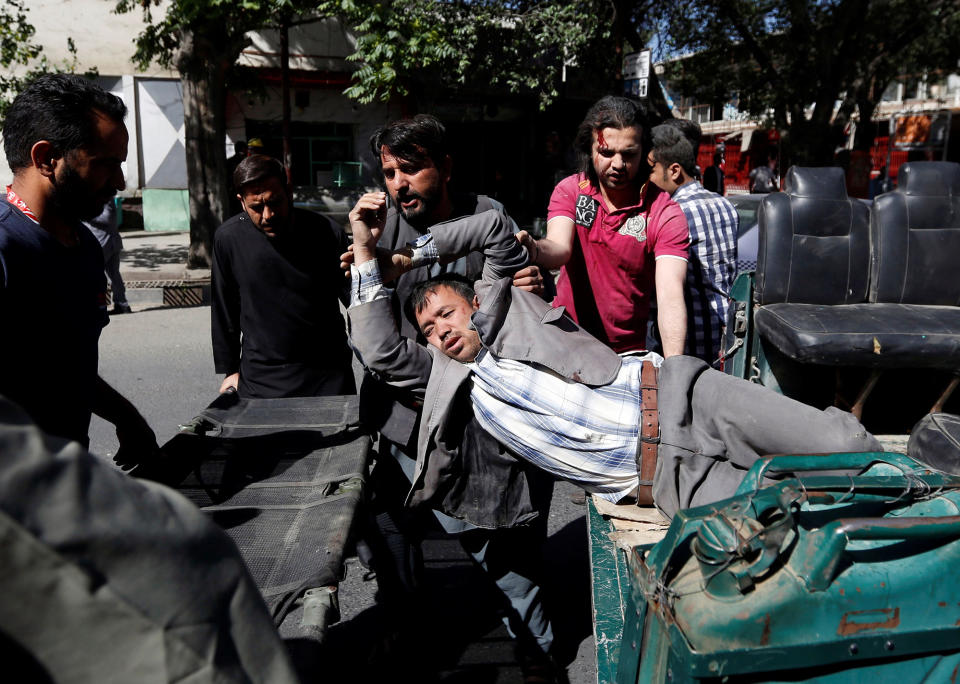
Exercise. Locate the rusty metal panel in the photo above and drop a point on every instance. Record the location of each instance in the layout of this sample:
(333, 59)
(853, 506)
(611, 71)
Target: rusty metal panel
(611, 595)
(823, 578)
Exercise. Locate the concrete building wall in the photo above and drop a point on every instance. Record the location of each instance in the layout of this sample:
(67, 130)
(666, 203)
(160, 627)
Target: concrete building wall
(156, 155)
(104, 40)
(161, 133)
(104, 43)
(321, 45)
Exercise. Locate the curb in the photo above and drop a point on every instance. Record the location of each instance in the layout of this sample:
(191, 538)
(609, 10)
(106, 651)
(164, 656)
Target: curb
(124, 234)
(167, 294)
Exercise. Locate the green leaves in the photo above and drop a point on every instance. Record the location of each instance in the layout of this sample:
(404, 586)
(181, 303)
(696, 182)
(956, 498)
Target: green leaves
(15, 36)
(794, 59)
(215, 28)
(431, 44)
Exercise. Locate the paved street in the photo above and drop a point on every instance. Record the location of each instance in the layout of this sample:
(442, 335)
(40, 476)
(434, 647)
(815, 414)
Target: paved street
(161, 359)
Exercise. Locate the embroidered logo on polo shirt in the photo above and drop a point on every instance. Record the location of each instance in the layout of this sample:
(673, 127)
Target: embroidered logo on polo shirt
(586, 210)
(635, 226)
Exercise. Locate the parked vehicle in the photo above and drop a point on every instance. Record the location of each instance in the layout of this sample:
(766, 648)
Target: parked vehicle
(855, 304)
(850, 305)
(747, 207)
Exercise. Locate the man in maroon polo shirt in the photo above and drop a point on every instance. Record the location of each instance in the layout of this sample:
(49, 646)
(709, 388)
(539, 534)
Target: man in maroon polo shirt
(617, 238)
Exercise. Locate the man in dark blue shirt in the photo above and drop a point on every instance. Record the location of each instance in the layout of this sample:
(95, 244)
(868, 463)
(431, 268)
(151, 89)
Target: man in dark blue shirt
(64, 140)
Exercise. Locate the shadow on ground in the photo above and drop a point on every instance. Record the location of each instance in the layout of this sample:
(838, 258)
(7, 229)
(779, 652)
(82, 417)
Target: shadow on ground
(568, 588)
(455, 636)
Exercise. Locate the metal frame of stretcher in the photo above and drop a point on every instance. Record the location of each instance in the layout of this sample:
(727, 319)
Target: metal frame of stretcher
(284, 478)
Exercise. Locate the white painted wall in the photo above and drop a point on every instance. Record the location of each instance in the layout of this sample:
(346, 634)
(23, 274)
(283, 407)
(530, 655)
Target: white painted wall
(320, 45)
(104, 39)
(155, 158)
(162, 151)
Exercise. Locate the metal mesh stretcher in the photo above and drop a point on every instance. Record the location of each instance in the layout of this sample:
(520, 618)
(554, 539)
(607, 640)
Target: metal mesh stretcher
(284, 478)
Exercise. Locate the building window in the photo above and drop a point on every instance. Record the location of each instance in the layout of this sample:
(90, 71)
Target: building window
(322, 154)
(913, 88)
(699, 113)
(892, 93)
(953, 86)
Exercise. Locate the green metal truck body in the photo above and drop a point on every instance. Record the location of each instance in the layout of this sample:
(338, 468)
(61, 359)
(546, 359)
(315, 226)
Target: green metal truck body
(815, 579)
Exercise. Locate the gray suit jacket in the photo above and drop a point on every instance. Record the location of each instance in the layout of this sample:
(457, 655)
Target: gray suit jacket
(388, 411)
(512, 324)
(112, 579)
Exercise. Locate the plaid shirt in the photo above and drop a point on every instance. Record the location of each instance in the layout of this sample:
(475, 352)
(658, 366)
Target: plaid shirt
(713, 222)
(586, 435)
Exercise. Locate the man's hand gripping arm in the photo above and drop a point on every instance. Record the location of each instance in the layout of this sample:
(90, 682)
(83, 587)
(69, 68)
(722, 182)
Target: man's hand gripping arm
(490, 232)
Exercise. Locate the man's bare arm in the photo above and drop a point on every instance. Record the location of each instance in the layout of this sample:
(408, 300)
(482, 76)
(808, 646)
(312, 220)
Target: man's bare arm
(671, 308)
(138, 443)
(554, 250)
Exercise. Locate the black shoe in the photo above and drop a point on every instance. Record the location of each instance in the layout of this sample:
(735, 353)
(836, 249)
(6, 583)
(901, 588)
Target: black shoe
(120, 309)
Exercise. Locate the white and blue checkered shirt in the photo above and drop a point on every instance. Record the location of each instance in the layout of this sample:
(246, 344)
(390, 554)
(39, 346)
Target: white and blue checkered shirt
(713, 223)
(586, 435)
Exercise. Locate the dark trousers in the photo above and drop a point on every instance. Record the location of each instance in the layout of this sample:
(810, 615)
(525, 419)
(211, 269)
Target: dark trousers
(510, 557)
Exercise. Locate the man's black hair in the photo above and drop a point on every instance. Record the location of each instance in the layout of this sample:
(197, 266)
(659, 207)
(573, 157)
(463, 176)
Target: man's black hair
(415, 139)
(690, 130)
(611, 112)
(257, 168)
(670, 146)
(58, 108)
(422, 290)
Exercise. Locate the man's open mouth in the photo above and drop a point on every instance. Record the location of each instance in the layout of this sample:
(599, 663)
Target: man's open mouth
(409, 200)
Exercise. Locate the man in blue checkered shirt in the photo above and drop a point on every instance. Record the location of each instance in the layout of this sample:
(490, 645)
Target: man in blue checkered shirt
(713, 223)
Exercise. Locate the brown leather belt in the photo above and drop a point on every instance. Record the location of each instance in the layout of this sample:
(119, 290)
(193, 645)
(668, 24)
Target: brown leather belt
(649, 434)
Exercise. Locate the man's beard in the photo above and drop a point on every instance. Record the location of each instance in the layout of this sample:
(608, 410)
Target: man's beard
(72, 198)
(420, 216)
